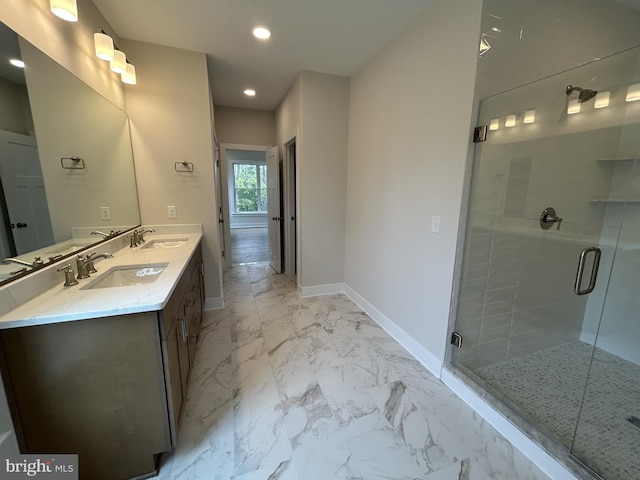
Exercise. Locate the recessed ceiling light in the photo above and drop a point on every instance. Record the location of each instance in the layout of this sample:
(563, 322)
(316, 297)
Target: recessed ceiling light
(496, 29)
(262, 33)
(16, 63)
(250, 93)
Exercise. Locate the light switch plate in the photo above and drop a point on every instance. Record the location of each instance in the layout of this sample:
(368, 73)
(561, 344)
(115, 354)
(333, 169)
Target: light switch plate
(171, 211)
(105, 213)
(435, 224)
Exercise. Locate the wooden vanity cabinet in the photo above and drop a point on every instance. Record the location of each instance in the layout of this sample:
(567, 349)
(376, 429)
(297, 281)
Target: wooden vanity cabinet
(110, 389)
(180, 327)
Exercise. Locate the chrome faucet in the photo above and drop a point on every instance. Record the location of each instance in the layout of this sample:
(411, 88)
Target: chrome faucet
(142, 232)
(134, 239)
(37, 262)
(104, 235)
(85, 264)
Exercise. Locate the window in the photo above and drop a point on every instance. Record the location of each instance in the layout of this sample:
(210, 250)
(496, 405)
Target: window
(250, 187)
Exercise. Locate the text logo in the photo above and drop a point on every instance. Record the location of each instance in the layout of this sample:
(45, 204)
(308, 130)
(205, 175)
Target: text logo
(39, 467)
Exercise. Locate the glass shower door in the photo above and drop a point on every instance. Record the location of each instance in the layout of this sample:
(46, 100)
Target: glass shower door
(545, 216)
(607, 436)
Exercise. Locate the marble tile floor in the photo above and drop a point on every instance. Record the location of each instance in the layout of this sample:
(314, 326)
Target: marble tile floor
(291, 388)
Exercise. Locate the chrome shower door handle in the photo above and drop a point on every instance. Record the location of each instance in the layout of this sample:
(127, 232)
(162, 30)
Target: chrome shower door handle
(597, 253)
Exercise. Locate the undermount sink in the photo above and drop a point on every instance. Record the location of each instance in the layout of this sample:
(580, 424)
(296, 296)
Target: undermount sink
(165, 243)
(127, 275)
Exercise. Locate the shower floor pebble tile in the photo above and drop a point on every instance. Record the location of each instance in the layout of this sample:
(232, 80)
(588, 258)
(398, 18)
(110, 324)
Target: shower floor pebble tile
(549, 388)
(290, 388)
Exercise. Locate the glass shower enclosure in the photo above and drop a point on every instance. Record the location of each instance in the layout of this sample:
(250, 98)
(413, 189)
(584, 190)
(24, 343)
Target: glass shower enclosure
(549, 302)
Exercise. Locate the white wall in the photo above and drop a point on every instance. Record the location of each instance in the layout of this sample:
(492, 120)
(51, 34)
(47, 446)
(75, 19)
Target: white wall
(15, 115)
(316, 110)
(70, 44)
(322, 179)
(71, 119)
(289, 115)
(409, 129)
(245, 126)
(170, 117)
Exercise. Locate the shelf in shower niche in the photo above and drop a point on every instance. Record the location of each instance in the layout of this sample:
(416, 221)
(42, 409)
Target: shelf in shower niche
(613, 200)
(616, 159)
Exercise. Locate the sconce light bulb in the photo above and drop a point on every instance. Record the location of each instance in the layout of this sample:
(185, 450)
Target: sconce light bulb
(573, 107)
(65, 9)
(119, 62)
(104, 46)
(529, 116)
(510, 121)
(633, 93)
(129, 77)
(494, 124)
(602, 100)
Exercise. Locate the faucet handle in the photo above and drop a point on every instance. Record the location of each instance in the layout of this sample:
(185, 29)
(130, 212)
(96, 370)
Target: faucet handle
(69, 279)
(81, 263)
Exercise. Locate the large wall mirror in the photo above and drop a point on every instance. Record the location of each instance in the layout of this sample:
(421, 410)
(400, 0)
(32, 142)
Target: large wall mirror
(66, 165)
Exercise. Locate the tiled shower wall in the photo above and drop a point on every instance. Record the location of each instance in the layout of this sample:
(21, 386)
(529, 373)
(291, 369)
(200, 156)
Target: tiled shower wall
(517, 280)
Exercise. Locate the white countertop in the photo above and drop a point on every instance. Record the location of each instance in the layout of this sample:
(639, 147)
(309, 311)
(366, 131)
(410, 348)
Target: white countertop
(64, 304)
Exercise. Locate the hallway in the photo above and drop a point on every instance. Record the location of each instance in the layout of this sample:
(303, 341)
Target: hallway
(295, 388)
(249, 245)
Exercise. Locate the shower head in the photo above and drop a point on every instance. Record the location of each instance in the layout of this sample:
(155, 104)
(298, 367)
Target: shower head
(585, 93)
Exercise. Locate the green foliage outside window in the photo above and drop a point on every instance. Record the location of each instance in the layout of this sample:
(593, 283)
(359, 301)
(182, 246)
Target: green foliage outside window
(250, 186)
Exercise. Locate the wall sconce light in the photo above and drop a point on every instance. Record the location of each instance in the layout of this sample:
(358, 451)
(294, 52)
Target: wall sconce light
(104, 46)
(602, 100)
(495, 124)
(529, 116)
(510, 121)
(64, 9)
(573, 107)
(633, 93)
(119, 62)
(129, 76)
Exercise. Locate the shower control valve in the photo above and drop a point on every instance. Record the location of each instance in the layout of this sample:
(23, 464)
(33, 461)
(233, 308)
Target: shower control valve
(548, 217)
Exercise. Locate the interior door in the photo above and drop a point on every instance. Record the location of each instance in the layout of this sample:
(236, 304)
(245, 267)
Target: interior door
(274, 214)
(218, 182)
(24, 192)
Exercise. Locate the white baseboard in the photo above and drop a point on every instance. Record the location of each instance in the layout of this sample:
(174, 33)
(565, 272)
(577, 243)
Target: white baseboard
(316, 290)
(426, 358)
(549, 465)
(213, 303)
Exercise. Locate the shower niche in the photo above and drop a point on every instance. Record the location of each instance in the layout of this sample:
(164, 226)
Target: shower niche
(567, 364)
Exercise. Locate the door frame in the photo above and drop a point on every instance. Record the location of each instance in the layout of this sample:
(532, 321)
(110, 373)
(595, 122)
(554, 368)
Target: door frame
(224, 175)
(290, 198)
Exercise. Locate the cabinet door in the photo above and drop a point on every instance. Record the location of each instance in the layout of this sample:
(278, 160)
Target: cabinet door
(183, 350)
(173, 344)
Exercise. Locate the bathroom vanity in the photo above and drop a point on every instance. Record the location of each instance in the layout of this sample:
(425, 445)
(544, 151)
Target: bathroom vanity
(100, 369)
